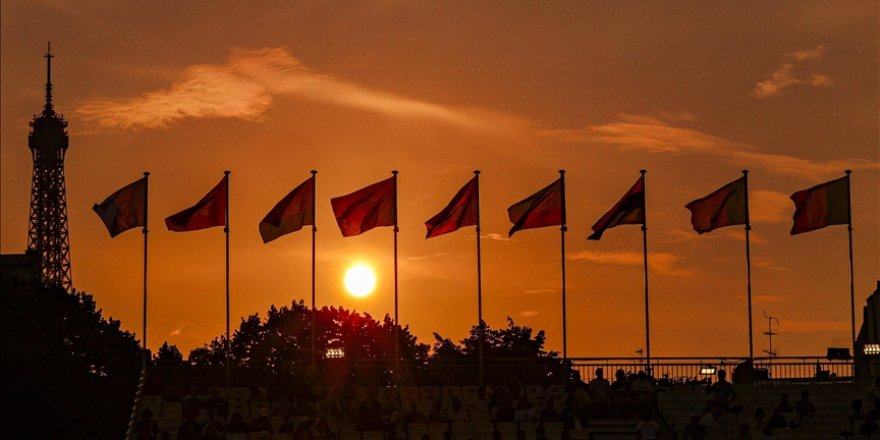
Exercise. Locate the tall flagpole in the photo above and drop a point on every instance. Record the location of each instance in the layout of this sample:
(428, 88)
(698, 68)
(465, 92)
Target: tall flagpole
(749, 266)
(645, 247)
(562, 230)
(852, 287)
(480, 326)
(396, 322)
(226, 231)
(145, 231)
(314, 232)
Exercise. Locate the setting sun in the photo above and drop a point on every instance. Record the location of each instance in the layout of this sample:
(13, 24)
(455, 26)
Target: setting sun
(360, 280)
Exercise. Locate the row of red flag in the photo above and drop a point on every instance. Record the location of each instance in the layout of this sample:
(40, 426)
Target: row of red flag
(376, 205)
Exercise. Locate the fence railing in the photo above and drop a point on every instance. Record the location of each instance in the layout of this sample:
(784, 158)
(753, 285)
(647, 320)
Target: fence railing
(666, 370)
(690, 369)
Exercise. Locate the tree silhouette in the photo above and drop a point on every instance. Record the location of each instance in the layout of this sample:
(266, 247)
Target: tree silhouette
(514, 353)
(284, 337)
(65, 371)
(168, 355)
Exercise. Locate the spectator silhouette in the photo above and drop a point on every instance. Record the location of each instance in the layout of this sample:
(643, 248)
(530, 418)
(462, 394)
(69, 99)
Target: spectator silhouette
(146, 428)
(777, 420)
(759, 420)
(600, 394)
(723, 391)
(694, 430)
(210, 432)
(620, 394)
(237, 425)
(261, 423)
(870, 427)
(647, 427)
(804, 408)
(189, 428)
(784, 405)
(856, 414)
(874, 393)
(743, 433)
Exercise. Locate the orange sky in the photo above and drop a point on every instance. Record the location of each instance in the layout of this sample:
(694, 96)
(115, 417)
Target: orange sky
(691, 91)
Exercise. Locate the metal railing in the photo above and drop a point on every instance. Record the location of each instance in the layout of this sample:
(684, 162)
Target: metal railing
(666, 370)
(691, 369)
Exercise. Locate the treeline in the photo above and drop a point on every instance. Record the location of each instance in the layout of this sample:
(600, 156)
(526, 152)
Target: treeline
(282, 341)
(65, 370)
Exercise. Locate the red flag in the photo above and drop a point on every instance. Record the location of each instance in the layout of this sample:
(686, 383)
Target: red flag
(724, 207)
(629, 210)
(207, 213)
(125, 209)
(290, 214)
(366, 208)
(460, 212)
(822, 205)
(543, 208)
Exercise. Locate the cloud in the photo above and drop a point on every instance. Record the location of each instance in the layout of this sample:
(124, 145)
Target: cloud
(425, 257)
(654, 135)
(529, 313)
(769, 207)
(244, 88)
(661, 263)
(787, 75)
(762, 263)
(536, 291)
(177, 331)
(496, 236)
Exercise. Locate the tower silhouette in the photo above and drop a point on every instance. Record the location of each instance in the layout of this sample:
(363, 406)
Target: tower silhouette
(47, 230)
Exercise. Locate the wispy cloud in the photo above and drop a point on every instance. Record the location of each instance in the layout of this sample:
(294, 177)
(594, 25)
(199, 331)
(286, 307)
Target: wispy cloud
(177, 330)
(539, 291)
(765, 264)
(529, 313)
(787, 74)
(496, 236)
(654, 135)
(244, 88)
(425, 257)
(769, 207)
(661, 263)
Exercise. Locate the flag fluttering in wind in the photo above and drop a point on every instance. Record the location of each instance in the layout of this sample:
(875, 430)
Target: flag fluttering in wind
(822, 205)
(290, 214)
(629, 210)
(366, 208)
(726, 206)
(460, 212)
(543, 208)
(125, 209)
(210, 211)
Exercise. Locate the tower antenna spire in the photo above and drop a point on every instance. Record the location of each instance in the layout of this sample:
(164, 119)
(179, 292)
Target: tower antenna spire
(48, 109)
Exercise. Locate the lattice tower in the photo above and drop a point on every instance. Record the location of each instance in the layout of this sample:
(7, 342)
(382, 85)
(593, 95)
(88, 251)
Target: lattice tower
(47, 230)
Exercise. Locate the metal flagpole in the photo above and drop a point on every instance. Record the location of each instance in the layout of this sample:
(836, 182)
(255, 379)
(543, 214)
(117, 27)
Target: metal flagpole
(314, 232)
(852, 287)
(145, 231)
(749, 265)
(480, 326)
(562, 230)
(645, 247)
(396, 321)
(226, 231)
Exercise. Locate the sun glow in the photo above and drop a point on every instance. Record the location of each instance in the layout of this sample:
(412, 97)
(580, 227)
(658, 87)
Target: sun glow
(360, 280)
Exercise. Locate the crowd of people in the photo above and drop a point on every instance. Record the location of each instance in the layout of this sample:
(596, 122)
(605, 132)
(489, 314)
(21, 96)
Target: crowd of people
(722, 404)
(318, 413)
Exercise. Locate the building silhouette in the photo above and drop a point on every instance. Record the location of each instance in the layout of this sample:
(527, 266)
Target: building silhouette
(47, 229)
